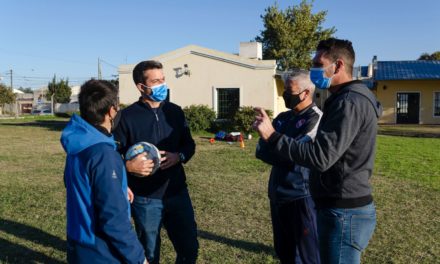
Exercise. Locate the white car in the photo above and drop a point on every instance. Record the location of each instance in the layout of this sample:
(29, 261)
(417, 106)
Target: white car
(41, 112)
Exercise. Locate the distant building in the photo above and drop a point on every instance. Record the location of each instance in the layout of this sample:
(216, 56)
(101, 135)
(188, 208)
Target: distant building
(408, 90)
(75, 92)
(37, 102)
(24, 102)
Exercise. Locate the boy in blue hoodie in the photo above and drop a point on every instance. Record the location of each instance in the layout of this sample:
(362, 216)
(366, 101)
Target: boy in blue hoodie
(98, 211)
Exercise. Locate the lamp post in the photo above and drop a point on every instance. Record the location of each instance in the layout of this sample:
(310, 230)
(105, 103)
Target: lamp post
(51, 103)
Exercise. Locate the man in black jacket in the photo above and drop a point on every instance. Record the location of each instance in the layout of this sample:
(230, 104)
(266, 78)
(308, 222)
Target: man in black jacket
(341, 157)
(161, 198)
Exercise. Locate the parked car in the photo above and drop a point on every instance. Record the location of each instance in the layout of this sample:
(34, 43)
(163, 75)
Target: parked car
(41, 112)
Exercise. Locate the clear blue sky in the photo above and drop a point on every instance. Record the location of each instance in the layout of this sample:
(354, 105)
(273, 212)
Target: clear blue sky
(41, 38)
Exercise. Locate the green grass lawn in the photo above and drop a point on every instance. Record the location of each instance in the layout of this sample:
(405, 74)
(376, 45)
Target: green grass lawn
(229, 192)
(416, 159)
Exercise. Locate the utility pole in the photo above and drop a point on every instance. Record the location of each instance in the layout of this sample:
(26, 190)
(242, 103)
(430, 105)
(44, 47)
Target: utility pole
(52, 107)
(10, 72)
(12, 90)
(99, 70)
(52, 103)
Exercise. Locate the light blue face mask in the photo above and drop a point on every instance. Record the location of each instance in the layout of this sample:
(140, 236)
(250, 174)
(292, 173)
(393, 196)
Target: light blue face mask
(318, 79)
(158, 92)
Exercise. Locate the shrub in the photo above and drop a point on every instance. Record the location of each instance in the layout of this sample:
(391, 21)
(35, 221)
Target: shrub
(243, 118)
(199, 117)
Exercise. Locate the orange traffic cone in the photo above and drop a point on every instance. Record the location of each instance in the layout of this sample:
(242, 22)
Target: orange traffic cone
(241, 141)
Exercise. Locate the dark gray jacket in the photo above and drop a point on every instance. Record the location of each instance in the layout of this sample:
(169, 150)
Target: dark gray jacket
(342, 155)
(289, 181)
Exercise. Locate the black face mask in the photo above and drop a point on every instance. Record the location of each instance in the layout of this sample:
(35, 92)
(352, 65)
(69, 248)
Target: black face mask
(291, 100)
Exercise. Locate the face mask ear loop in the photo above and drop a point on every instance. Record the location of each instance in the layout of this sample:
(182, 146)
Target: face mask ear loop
(145, 88)
(305, 95)
(110, 117)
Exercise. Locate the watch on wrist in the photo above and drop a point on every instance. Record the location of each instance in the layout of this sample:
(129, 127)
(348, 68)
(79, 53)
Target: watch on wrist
(182, 157)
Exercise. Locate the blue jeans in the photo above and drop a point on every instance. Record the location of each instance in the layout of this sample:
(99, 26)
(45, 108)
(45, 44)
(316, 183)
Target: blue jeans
(344, 233)
(294, 231)
(176, 214)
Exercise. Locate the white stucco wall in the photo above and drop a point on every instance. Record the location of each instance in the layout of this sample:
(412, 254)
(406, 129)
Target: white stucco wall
(209, 70)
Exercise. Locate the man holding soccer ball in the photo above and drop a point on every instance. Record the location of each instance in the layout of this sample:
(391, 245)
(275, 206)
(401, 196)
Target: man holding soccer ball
(160, 198)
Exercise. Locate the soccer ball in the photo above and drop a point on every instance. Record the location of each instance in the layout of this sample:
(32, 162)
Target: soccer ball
(151, 152)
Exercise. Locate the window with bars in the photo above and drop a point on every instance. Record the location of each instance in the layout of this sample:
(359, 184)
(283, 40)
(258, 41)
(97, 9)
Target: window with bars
(437, 104)
(228, 102)
(402, 103)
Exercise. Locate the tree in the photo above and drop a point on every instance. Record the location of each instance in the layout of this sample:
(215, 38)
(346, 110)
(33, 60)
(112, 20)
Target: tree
(7, 96)
(427, 56)
(115, 81)
(290, 36)
(61, 90)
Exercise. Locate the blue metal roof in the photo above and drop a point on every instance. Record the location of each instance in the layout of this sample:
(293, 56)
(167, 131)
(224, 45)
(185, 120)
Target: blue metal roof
(407, 70)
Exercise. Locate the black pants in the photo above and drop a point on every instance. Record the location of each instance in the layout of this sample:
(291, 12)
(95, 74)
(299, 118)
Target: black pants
(295, 232)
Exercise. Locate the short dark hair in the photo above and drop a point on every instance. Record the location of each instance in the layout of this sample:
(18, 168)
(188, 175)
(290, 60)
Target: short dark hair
(141, 67)
(95, 100)
(338, 48)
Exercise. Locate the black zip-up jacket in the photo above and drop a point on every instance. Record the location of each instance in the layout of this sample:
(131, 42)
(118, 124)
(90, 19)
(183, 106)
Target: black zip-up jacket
(342, 155)
(288, 181)
(166, 128)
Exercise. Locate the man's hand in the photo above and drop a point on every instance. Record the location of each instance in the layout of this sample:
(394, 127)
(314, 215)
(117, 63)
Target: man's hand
(168, 159)
(130, 195)
(140, 165)
(262, 124)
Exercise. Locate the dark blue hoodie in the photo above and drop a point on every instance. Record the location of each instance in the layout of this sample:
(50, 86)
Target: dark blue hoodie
(288, 181)
(98, 216)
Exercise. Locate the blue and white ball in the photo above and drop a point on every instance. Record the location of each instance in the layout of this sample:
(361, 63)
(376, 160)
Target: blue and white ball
(151, 152)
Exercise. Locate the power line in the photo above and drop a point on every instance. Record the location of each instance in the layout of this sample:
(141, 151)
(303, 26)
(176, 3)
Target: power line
(23, 80)
(109, 64)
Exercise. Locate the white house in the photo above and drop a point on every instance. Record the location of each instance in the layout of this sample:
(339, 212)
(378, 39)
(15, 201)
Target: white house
(223, 81)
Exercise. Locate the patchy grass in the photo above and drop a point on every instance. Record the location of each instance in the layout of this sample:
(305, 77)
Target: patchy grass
(229, 192)
(32, 207)
(408, 223)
